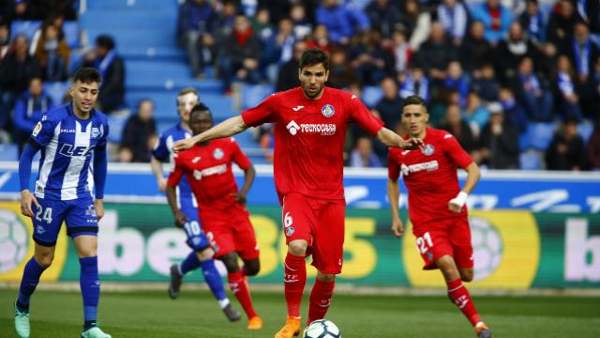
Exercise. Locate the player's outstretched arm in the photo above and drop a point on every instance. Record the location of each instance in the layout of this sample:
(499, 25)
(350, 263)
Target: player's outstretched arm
(100, 169)
(391, 139)
(27, 197)
(473, 174)
(231, 126)
(394, 196)
(180, 217)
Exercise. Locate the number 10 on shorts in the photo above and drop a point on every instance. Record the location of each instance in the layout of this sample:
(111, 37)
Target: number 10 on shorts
(424, 243)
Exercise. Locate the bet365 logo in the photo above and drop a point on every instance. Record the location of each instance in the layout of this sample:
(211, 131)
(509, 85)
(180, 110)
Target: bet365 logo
(13, 241)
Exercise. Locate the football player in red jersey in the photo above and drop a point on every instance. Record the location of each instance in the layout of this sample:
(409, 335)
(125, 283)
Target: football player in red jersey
(436, 204)
(222, 211)
(310, 125)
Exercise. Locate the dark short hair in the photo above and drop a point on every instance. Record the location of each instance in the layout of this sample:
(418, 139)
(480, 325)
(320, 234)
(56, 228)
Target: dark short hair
(87, 75)
(314, 56)
(200, 108)
(105, 41)
(413, 100)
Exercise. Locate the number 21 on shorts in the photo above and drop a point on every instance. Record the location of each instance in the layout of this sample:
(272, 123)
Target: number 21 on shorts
(424, 243)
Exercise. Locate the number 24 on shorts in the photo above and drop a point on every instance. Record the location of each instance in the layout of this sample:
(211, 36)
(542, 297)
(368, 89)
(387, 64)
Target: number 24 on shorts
(424, 243)
(44, 214)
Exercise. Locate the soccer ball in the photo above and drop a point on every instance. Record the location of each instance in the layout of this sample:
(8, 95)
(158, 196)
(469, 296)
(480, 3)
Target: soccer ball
(487, 247)
(322, 328)
(13, 241)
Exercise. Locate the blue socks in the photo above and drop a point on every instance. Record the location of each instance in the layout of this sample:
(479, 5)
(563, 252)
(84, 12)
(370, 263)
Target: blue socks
(213, 279)
(210, 272)
(190, 263)
(90, 290)
(31, 278)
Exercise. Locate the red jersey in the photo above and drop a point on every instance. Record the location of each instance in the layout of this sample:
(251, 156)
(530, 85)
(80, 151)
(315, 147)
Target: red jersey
(430, 175)
(208, 170)
(309, 138)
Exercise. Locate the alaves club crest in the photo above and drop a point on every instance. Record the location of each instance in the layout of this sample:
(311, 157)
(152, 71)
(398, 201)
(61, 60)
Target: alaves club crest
(327, 110)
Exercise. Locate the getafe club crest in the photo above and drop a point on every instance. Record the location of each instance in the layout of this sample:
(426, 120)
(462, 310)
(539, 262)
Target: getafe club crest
(218, 154)
(428, 150)
(327, 110)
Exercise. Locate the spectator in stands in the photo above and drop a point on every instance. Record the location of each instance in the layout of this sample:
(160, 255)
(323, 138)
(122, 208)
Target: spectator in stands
(546, 64)
(560, 25)
(390, 105)
(484, 82)
(287, 77)
(16, 70)
(453, 15)
(55, 19)
(319, 39)
(593, 148)
(341, 20)
(495, 18)
(532, 20)
(261, 25)
(112, 68)
(414, 82)
(532, 92)
(567, 98)
(458, 81)
(457, 126)
(139, 134)
(240, 56)
(435, 54)
(4, 39)
(499, 141)
(52, 54)
(401, 52)
(583, 54)
(28, 111)
(195, 26)
(596, 89)
(279, 48)
(363, 156)
(475, 50)
(384, 16)
(566, 150)
(416, 23)
(515, 114)
(476, 113)
(225, 20)
(512, 50)
(301, 24)
(341, 74)
(21, 10)
(368, 59)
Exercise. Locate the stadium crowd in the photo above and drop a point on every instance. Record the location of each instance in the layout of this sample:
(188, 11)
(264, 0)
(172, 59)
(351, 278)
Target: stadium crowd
(487, 69)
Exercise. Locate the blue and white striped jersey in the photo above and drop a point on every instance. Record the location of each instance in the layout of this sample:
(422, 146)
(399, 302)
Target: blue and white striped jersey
(163, 151)
(67, 144)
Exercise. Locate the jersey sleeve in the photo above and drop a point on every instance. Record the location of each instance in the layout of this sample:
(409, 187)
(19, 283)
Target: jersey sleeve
(363, 116)
(239, 157)
(43, 131)
(458, 155)
(393, 167)
(103, 134)
(264, 112)
(178, 170)
(161, 150)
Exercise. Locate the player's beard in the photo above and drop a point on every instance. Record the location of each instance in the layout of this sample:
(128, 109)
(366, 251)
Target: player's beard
(308, 94)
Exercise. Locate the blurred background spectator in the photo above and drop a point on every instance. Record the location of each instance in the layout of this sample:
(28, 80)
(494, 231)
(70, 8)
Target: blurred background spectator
(139, 134)
(499, 141)
(28, 111)
(566, 150)
(362, 156)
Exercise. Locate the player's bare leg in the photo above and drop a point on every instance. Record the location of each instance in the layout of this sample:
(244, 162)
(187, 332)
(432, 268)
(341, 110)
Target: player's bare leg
(294, 282)
(41, 260)
(238, 284)
(459, 294)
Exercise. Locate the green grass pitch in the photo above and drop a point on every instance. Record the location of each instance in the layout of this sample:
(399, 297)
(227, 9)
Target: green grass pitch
(152, 314)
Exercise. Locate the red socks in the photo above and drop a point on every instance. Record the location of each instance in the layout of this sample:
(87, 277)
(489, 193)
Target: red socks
(239, 287)
(460, 296)
(320, 299)
(294, 281)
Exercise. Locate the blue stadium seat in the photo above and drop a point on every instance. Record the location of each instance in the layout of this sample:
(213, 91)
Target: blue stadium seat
(134, 5)
(56, 90)
(585, 129)
(71, 30)
(9, 152)
(253, 94)
(116, 122)
(26, 28)
(371, 95)
(540, 134)
(532, 160)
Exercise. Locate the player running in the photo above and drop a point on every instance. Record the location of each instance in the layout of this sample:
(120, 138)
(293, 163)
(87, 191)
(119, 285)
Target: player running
(202, 254)
(207, 167)
(72, 139)
(310, 128)
(436, 205)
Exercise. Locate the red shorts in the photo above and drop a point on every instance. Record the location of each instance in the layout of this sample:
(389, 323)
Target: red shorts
(321, 224)
(447, 237)
(230, 231)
